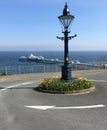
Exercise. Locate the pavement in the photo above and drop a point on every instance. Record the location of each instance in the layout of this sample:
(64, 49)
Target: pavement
(23, 108)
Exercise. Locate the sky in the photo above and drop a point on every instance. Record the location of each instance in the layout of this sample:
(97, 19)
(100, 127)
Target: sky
(33, 25)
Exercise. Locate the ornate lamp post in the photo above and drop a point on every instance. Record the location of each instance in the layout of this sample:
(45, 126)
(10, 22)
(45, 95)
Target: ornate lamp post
(66, 19)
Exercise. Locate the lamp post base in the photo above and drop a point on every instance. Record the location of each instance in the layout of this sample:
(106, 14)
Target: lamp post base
(66, 73)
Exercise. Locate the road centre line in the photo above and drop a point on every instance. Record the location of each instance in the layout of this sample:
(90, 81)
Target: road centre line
(54, 107)
(26, 83)
(104, 81)
(13, 86)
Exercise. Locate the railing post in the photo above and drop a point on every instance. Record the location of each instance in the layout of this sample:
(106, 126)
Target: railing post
(19, 67)
(6, 70)
(44, 69)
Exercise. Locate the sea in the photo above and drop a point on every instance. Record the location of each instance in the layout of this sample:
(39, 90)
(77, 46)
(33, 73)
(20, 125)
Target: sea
(11, 58)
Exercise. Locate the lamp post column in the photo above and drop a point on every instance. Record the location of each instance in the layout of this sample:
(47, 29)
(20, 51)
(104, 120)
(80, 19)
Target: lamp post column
(66, 69)
(66, 18)
(66, 56)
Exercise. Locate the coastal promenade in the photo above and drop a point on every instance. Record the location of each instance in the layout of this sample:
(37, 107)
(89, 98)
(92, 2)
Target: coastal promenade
(44, 75)
(23, 108)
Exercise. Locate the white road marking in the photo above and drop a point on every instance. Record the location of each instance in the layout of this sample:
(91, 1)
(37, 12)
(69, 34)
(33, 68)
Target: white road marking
(81, 107)
(27, 83)
(63, 108)
(13, 86)
(104, 81)
(41, 107)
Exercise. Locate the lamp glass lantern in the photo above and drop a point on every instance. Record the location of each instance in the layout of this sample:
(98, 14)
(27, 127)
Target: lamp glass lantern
(66, 19)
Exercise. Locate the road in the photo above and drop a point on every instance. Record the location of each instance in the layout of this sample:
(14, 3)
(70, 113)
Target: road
(62, 112)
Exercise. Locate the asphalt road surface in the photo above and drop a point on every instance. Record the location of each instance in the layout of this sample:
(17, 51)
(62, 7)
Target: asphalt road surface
(23, 108)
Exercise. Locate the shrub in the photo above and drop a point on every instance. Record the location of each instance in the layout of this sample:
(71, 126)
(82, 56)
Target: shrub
(3, 74)
(55, 84)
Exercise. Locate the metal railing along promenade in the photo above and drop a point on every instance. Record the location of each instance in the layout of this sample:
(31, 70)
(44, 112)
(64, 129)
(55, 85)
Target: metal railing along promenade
(44, 68)
(23, 69)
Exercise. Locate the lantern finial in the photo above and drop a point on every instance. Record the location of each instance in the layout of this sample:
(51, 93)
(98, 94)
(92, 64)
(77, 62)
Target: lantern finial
(66, 10)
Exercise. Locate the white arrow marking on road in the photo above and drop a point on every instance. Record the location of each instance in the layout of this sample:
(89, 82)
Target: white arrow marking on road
(41, 107)
(75, 107)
